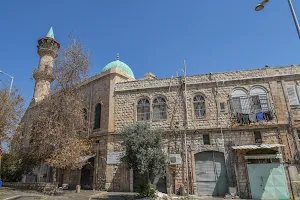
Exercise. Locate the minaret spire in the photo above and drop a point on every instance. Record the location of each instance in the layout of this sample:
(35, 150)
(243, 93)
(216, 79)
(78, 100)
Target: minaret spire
(43, 75)
(50, 33)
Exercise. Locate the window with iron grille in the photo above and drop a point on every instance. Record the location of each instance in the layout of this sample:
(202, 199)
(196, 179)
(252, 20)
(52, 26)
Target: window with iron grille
(206, 139)
(240, 104)
(199, 106)
(159, 109)
(257, 137)
(251, 108)
(260, 103)
(143, 110)
(222, 107)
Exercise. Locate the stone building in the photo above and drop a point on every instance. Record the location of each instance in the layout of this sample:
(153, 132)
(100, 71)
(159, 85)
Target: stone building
(240, 128)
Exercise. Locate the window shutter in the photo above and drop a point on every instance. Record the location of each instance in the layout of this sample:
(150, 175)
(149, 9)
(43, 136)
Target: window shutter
(298, 92)
(292, 95)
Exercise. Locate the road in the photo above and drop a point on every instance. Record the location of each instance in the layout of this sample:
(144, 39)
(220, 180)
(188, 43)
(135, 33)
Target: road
(102, 198)
(111, 198)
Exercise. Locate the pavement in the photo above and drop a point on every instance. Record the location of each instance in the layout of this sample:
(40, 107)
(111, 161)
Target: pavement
(10, 194)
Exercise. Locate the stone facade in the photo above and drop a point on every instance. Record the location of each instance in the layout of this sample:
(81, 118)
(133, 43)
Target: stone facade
(215, 127)
(224, 133)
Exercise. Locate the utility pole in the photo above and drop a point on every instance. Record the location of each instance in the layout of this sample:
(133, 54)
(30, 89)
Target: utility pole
(185, 129)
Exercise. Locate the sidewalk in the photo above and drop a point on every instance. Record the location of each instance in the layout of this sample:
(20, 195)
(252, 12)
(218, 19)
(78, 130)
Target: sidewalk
(10, 193)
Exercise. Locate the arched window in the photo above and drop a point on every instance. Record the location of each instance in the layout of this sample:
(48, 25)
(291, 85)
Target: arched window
(159, 109)
(259, 99)
(240, 102)
(97, 116)
(199, 106)
(143, 110)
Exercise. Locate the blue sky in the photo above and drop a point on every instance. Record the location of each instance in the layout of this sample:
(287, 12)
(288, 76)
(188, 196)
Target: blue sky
(150, 35)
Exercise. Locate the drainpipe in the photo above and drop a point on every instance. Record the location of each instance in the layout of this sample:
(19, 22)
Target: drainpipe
(218, 122)
(186, 124)
(290, 182)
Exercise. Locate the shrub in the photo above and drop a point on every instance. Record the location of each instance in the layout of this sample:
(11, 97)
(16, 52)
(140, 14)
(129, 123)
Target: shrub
(145, 190)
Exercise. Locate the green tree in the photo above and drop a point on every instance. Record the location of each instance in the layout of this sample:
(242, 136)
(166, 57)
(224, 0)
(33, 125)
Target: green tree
(15, 165)
(144, 150)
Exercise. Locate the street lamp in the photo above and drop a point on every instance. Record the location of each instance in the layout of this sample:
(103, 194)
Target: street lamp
(261, 6)
(11, 83)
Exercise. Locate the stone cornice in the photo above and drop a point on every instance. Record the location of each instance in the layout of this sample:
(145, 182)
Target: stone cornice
(220, 79)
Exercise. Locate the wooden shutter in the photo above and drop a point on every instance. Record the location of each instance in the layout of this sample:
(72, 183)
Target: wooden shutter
(292, 95)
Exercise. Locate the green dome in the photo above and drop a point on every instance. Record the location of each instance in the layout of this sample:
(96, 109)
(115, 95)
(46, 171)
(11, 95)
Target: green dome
(120, 65)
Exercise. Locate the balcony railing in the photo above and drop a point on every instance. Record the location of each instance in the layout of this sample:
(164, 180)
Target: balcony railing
(247, 110)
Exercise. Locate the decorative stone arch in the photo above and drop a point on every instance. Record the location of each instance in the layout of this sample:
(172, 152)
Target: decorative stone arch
(261, 94)
(142, 97)
(239, 100)
(238, 91)
(159, 95)
(159, 112)
(193, 106)
(139, 109)
(258, 89)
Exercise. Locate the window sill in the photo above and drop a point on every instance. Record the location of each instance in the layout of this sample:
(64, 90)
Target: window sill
(224, 112)
(200, 119)
(162, 120)
(144, 121)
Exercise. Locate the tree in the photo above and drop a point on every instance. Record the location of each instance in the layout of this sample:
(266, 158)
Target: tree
(59, 128)
(143, 150)
(15, 164)
(11, 110)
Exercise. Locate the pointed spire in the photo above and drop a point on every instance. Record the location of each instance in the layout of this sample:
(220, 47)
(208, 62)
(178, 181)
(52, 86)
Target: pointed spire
(50, 33)
(118, 56)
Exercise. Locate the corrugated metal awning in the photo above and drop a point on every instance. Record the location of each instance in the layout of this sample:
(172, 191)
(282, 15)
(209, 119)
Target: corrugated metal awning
(257, 146)
(264, 156)
(83, 159)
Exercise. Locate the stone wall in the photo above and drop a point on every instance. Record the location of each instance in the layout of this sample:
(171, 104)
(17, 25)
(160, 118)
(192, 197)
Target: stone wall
(127, 95)
(49, 188)
(215, 88)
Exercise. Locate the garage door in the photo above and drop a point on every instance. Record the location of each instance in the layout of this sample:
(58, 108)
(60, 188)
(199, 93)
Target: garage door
(211, 173)
(268, 181)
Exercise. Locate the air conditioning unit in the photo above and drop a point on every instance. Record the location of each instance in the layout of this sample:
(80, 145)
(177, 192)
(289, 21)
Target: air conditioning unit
(175, 159)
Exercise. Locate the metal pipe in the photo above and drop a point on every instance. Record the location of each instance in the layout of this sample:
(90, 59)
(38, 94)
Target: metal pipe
(294, 17)
(186, 123)
(11, 83)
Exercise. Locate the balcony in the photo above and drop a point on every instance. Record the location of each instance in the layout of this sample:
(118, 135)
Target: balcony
(250, 110)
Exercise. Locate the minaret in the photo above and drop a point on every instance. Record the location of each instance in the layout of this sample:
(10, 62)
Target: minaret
(43, 75)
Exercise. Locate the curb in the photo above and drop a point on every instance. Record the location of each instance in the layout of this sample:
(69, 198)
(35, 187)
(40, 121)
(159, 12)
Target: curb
(19, 196)
(11, 198)
(98, 195)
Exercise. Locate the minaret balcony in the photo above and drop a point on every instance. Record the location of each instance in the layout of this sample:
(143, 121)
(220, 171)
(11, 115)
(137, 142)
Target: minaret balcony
(44, 74)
